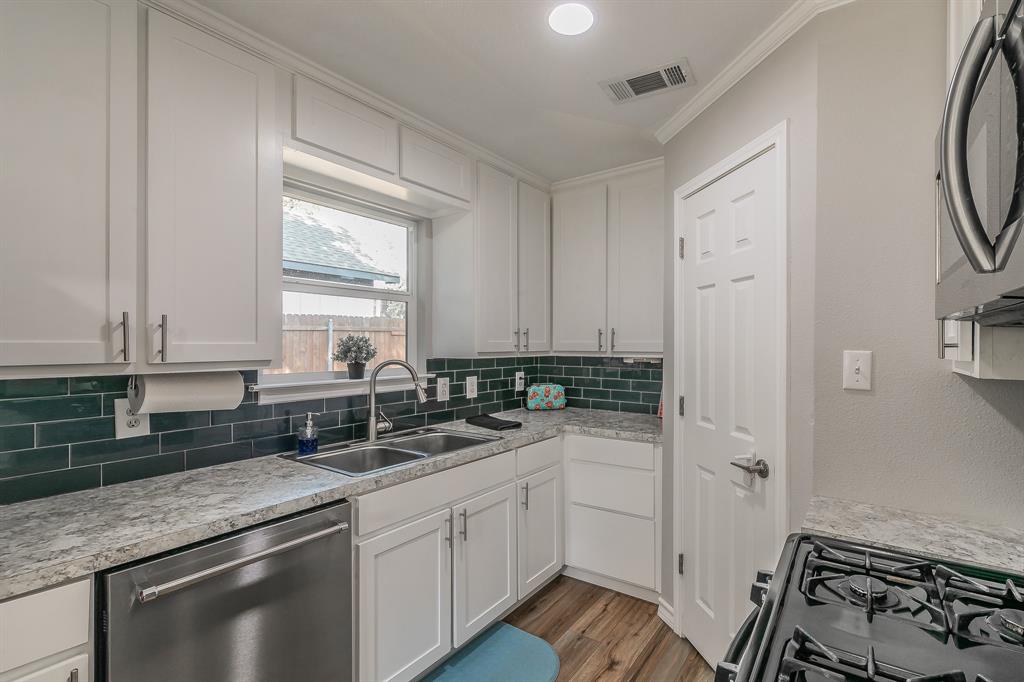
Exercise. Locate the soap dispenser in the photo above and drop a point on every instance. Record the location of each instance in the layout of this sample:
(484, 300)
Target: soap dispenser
(308, 440)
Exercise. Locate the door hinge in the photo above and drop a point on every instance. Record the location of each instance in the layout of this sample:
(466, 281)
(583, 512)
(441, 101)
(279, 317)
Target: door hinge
(680, 563)
(682, 406)
(682, 247)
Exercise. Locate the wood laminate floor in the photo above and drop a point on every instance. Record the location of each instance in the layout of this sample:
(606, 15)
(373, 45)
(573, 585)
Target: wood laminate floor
(603, 635)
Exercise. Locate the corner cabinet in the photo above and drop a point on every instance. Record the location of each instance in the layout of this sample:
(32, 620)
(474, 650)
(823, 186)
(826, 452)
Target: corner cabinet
(213, 218)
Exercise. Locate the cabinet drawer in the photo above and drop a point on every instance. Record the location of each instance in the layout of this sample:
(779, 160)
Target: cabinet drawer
(381, 509)
(607, 451)
(615, 488)
(537, 456)
(74, 669)
(328, 119)
(435, 165)
(611, 544)
(43, 624)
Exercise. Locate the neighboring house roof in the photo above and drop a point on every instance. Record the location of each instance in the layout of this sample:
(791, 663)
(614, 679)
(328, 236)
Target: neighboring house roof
(314, 246)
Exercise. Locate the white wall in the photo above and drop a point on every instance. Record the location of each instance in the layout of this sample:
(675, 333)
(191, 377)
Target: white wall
(862, 87)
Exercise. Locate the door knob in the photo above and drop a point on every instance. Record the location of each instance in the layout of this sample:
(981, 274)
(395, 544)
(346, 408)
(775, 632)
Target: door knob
(759, 468)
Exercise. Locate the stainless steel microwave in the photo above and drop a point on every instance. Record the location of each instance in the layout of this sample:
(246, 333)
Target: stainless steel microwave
(980, 176)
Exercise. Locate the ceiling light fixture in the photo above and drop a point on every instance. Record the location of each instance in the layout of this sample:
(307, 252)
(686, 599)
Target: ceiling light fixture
(571, 19)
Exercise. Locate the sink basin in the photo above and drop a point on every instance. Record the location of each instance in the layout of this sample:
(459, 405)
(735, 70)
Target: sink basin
(363, 460)
(439, 442)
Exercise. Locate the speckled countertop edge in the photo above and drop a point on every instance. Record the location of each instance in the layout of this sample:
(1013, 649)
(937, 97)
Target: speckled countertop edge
(933, 537)
(58, 539)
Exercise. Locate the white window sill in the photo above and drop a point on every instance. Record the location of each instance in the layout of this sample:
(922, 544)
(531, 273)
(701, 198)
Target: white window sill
(271, 393)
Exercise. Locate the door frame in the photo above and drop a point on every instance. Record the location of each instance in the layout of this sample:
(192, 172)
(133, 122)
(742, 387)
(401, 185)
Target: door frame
(775, 138)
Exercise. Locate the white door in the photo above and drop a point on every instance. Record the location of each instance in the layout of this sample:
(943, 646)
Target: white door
(541, 520)
(68, 144)
(405, 599)
(214, 200)
(732, 312)
(485, 561)
(495, 261)
(534, 269)
(579, 269)
(636, 242)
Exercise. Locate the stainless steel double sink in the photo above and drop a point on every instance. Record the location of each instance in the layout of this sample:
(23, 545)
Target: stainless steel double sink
(369, 458)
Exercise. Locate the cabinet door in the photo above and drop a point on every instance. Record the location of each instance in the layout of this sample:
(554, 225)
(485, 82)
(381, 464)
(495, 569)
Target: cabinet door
(214, 200)
(495, 261)
(435, 165)
(485, 561)
(534, 269)
(636, 247)
(541, 519)
(579, 279)
(74, 669)
(405, 599)
(68, 144)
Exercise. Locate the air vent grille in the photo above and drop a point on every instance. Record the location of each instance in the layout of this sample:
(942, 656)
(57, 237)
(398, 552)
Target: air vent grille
(668, 77)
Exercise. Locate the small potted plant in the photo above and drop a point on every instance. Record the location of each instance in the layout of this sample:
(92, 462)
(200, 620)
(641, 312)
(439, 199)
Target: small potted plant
(356, 351)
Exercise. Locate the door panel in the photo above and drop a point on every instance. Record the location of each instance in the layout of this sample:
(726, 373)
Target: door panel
(68, 140)
(534, 269)
(579, 269)
(405, 592)
(496, 261)
(214, 199)
(541, 545)
(485, 561)
(731, 380)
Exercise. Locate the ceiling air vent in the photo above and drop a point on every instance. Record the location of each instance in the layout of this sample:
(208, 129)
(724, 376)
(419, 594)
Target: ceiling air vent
(668, 77)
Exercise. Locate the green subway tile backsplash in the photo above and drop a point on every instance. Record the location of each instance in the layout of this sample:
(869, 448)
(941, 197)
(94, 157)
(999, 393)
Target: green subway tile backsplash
(57, 435)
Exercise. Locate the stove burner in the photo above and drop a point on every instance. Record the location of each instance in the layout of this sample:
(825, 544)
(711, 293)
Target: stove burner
(1008, 621)
(860, 585)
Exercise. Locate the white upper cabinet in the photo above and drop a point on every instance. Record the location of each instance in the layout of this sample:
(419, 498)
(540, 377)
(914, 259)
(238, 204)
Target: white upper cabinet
(579, 269)
(534, 269)
(339, 124)
(496, 243)
(213, 201)
(68, 144)
(636, 243)
(435, 165)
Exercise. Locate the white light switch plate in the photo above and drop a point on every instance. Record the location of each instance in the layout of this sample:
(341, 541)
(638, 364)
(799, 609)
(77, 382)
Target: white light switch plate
(443, 392)
(470, 387)
(127, 424)
(520, 381)
(857, 370)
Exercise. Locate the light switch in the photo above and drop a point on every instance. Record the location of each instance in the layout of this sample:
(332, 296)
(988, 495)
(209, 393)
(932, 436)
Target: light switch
(470, 387)
(443, 392)
(857, 370)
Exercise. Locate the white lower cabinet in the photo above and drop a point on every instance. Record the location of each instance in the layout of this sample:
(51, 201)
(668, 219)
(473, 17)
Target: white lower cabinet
(404, 598)
(74, 669)
(485, 584)
(541, 526)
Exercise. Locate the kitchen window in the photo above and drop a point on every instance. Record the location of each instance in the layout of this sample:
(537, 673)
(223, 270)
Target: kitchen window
(348, 269)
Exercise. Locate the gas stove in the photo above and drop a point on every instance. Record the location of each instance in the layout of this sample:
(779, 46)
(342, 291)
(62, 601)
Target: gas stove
(846, 612)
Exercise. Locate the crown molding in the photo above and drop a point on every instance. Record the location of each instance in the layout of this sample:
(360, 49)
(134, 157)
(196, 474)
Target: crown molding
(206, 19)
(605, 175)
(791, 21)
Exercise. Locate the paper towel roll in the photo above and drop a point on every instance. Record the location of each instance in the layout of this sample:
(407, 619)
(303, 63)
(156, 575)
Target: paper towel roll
(185, 392)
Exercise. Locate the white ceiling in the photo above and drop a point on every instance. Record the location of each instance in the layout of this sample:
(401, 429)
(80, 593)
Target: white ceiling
(493, 72)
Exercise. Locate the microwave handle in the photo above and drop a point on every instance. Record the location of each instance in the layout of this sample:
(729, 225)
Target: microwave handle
(983, 255)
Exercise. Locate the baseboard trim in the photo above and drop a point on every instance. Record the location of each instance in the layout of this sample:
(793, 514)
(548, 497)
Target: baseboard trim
(612, 584)
(668, 614)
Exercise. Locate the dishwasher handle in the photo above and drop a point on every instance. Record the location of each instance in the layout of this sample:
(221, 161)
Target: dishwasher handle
(148, 594)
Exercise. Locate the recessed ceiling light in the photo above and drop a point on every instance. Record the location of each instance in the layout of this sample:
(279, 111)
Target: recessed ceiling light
(571, 19)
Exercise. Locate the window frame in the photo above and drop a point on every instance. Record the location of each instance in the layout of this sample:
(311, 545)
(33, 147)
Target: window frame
(280, 387)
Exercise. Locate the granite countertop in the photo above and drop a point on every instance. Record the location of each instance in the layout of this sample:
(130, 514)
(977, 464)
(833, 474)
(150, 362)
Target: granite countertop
(932, 537)
(53, 540)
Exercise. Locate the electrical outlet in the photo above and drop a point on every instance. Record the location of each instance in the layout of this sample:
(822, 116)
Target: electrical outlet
(520, 381)
(857, 370)
(471, 387)
(443, 392)
(127, 424)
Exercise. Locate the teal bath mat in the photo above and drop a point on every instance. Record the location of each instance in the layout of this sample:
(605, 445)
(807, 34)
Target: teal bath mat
(502, 654)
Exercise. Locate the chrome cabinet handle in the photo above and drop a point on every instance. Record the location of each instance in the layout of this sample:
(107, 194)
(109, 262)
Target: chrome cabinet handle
(758, 468)
(465, 526)
(983, 255)
(517, 339)
(163, 338)
(125, 326)
(73, 675)
(448, 531)
(526, 336)
(526, 496)
(148, 594)
(613, 339)
(600, 335)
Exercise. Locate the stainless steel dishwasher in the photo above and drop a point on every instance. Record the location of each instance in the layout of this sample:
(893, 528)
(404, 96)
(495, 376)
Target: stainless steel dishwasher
(271, 604)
